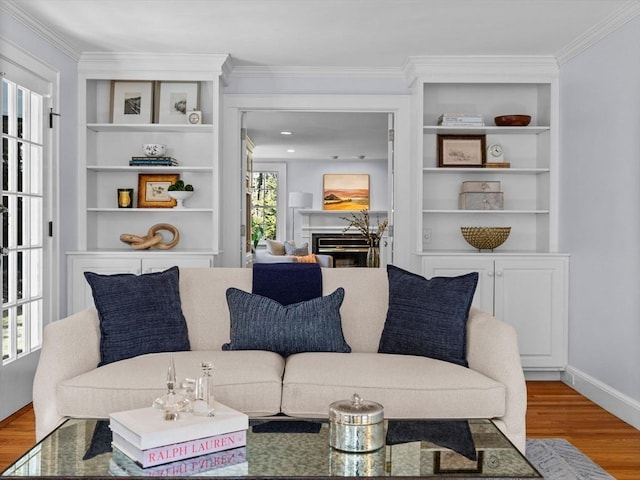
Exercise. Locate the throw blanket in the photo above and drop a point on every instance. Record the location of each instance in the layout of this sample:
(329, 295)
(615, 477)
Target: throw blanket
(287, 283)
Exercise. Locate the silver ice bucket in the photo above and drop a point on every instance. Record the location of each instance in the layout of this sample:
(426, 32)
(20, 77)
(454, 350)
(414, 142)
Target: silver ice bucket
(356, 425)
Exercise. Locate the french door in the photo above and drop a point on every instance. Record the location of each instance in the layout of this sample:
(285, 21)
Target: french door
(25, 250)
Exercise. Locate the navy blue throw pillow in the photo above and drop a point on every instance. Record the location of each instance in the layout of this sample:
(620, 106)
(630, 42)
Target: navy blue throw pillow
(260, 323)
(138, 314)
(287, 283)
(428, 317)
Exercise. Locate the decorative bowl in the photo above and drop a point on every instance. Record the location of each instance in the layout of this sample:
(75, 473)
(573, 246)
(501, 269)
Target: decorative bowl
(512, 120)
(485, 238)
(154, 149)
(180, 196)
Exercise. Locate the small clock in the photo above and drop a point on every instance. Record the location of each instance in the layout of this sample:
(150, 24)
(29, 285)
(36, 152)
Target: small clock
(194, 117)
(495, 153)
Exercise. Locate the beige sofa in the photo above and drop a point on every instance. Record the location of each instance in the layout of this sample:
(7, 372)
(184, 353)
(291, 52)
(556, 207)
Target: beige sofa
(68, 384)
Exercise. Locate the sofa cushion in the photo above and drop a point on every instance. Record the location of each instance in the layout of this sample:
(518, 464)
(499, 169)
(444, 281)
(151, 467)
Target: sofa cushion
(247, 381)
(275, 248)
(138, 314)
(290, 248)
(407, 386)
(428, 317)
(287, 283)
(260, 323)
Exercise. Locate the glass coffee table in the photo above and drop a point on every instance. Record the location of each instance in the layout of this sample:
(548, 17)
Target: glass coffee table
(284, 447)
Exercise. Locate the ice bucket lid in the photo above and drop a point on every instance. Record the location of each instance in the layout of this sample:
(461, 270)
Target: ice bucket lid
(356, 411)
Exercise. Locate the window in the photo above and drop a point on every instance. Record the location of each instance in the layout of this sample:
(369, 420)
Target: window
(267, 194)
(23, 218)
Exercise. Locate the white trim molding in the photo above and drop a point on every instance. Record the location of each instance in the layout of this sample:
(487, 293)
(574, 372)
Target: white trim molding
(615, 402)
(598, 32)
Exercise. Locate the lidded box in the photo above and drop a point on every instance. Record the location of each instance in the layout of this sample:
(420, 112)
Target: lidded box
(356, 425)
(484, 187)
(477, 195)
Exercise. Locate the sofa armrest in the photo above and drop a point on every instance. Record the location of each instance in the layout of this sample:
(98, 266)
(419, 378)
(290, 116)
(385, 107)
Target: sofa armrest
(492, 349)
(70, 346)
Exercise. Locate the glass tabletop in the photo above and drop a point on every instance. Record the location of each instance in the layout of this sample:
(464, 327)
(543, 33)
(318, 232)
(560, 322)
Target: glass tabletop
(285, 447)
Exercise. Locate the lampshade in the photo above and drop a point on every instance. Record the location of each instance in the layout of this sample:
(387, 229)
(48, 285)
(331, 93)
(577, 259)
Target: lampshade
(300, 200)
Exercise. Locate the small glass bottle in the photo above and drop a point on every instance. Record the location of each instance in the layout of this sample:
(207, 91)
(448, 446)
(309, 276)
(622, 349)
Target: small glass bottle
(203, 405)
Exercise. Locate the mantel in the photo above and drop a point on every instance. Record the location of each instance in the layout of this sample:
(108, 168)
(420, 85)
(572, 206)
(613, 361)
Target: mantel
(308, 212)
(329, 221)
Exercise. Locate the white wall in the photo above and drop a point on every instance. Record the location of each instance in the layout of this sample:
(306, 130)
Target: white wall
(65, 224)
(600, 218)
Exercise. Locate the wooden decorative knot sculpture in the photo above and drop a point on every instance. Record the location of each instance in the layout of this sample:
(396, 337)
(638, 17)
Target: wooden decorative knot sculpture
(152, 239)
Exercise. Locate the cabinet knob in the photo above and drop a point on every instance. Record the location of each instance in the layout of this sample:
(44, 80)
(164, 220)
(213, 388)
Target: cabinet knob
(498, 274)
(490, 274)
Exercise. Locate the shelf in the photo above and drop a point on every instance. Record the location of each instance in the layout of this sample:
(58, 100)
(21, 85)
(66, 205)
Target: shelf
(128, 211)
(486, 212)
(147, 169)
(494, 171)
(149, 127)
(488, 130)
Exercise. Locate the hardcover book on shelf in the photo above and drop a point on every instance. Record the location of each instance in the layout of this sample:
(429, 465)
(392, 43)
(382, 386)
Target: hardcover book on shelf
(146, 428)
(461, 120)
(157, 161)
(227, 463)
(180, 451)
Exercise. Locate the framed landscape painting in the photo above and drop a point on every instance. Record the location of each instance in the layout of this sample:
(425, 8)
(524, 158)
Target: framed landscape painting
(345, 191)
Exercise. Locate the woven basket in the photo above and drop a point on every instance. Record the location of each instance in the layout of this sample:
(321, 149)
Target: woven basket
(485, 238)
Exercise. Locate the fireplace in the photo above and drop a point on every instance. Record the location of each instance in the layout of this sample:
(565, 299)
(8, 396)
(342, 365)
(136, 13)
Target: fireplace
(347, 250)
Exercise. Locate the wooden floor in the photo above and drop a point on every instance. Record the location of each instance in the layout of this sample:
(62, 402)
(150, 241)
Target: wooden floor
(554, 411)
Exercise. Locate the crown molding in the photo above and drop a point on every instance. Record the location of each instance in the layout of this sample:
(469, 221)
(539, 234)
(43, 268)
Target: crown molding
(201, 66)
(12, 8)
(462, 68)
(316, 72)
(598, 32)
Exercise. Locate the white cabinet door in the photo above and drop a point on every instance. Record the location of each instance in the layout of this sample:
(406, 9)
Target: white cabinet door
(455, 266)
(151, 265)
(80, 296)
(527, 292)
(530, 294)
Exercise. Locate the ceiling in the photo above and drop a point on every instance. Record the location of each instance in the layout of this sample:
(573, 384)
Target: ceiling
(322, 34)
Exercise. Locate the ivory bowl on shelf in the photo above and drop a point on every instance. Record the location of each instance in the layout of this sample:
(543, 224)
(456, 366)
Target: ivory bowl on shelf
(485, 238)
(180, 196)
(154, 149)
(512, 120)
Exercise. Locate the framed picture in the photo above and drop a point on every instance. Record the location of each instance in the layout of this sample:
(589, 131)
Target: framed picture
(461, 150)
(131, 102)
(345, 191)
(175, 100)
(153, 190)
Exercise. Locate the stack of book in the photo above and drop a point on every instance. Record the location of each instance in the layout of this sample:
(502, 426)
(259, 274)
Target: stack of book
(461, 120)
(143, 440)
(153, 162)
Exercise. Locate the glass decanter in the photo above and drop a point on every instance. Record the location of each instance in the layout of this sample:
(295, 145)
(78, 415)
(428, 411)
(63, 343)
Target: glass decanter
(203, 404)
(172, 402)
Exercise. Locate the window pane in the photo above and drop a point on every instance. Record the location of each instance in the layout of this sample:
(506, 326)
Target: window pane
(265, 202)
(20, 113)
(36, 268)
(6, 334)
(35, 133)
(35, 222)
(20, 330)
(5, 163)
(7, 100)
(5, 280)
(19, 224)
(35, 322)
(35, 170)
(20, 167)
(19, 275)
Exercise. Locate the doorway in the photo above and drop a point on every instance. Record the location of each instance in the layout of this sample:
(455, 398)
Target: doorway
(233, 176)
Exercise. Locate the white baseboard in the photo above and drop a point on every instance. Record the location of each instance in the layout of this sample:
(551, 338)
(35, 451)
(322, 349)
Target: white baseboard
(615, 402)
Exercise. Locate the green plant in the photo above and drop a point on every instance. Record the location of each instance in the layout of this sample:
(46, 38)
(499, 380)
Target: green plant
(257, 232)
(180, 186)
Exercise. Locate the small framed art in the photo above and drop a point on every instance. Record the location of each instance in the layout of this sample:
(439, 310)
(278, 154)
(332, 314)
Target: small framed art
(153, 190)
(461, 150)
(131, 102)
(175, 100)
